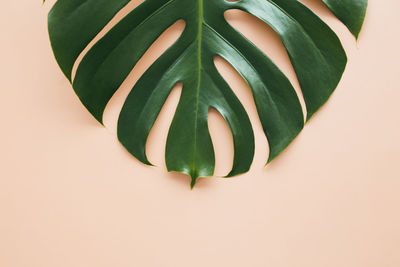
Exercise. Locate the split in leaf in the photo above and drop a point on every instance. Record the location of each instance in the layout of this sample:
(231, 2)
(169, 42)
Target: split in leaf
(314, 49)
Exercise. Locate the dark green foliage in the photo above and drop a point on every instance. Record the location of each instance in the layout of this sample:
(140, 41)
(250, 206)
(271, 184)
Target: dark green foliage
(314, 50)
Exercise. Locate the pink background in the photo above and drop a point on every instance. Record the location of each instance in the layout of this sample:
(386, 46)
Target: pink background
(71, 196)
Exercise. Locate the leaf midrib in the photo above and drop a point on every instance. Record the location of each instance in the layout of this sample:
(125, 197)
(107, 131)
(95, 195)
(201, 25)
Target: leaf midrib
(200, 23)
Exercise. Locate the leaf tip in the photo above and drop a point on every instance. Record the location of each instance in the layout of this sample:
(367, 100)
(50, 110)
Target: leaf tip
(271, 158)
(193, 183)
(193, 176)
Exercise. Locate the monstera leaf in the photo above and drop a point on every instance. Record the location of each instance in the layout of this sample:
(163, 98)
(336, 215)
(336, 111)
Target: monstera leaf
(314, 50)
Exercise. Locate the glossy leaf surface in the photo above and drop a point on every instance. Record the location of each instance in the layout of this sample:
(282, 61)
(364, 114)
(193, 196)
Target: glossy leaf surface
(314, 50)
(351, 12)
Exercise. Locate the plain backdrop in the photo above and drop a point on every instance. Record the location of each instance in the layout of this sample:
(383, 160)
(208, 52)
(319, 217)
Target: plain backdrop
(71, 196)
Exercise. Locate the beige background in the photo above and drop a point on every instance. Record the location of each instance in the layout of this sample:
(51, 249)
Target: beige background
(70, 196)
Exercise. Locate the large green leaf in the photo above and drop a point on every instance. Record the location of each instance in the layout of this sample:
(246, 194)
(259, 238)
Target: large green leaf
(314, 50)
